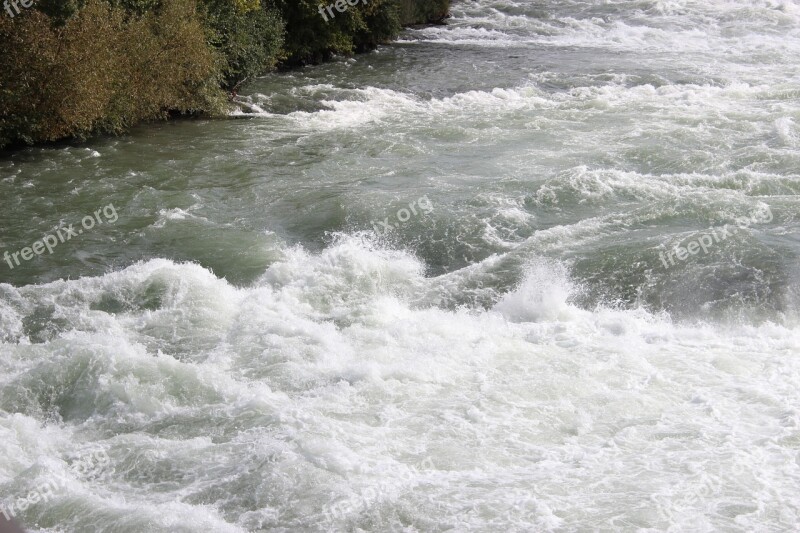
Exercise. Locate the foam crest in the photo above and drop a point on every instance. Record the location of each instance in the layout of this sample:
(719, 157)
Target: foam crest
(301, 365)
(542, 295)
(353, 269)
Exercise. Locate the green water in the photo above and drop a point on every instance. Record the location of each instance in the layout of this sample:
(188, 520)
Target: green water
(255, 351)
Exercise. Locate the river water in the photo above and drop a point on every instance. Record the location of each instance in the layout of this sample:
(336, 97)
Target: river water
(534, 270)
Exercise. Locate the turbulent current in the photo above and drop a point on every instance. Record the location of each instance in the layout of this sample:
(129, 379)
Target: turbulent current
(535, 270)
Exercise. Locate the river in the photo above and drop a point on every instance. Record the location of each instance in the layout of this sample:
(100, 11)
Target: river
(535, 270)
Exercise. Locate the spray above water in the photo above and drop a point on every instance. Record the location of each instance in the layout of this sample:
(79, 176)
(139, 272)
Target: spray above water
(541, 297)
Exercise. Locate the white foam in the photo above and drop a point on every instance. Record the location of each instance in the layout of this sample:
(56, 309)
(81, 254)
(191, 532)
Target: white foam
(244, 408)
(787, 131)
(539, 297)
(307, 362)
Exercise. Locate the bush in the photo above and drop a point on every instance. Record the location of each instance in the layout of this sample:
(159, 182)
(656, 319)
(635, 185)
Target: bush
(102, 70)
(310, 39)
(71, 68)
(248, 34)
(423, 11)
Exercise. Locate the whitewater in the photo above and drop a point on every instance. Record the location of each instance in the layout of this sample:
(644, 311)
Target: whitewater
(275, 336)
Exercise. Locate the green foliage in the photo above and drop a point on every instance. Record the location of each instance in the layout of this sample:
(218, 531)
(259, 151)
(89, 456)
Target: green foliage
(58, 10)
(61, 10)
(311, 39)
(137, 7)
(248, 35)
(73, 68)
(423, 11)
(103, 70)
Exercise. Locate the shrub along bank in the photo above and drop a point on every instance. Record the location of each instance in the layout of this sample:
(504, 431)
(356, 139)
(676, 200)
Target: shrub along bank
(75, 68)
(427, 12)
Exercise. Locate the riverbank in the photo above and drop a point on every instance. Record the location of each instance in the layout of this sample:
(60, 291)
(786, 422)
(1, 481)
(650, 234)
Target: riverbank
(75, 69)
(423, 290)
